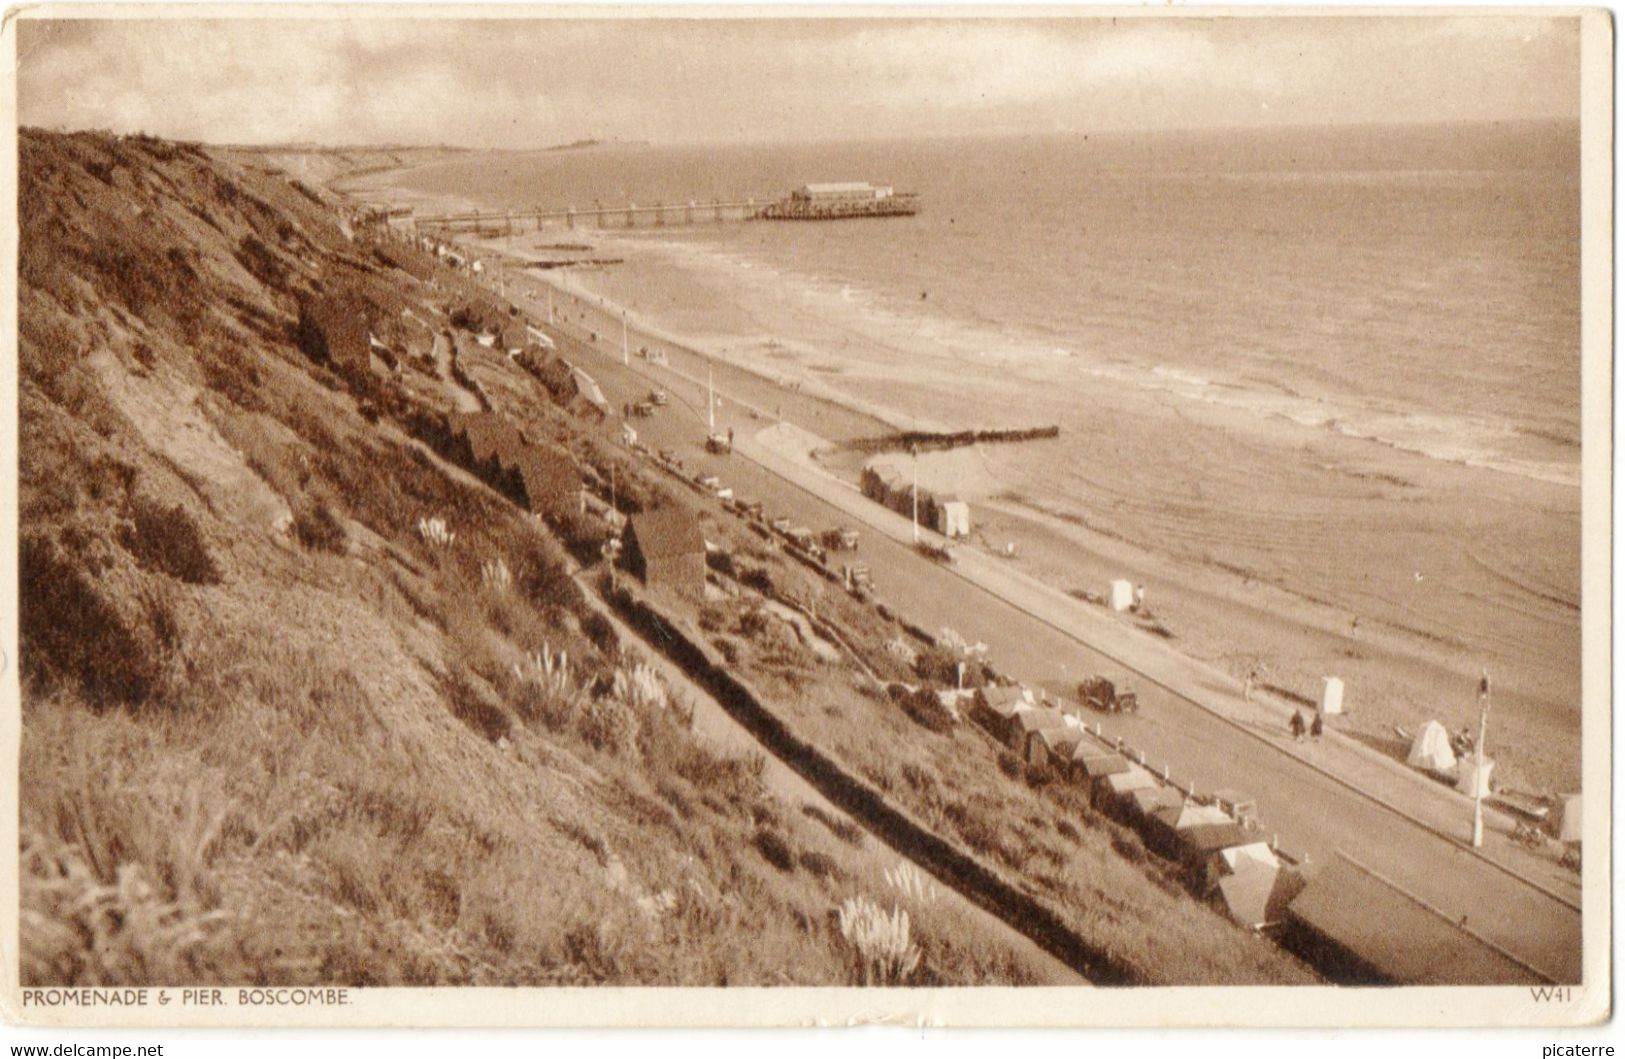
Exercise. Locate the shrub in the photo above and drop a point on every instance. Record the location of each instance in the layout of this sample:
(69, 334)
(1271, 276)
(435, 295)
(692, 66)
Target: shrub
(841, 827)
(608, 725)
(880, 948)
(907, 879)
(316, 527)
(472, 705)
(775, 849)
(71, 632)
(821, 865)
(1009, 764)
(84, 931)
(167, 539)
(923, 709)
(1128, 846)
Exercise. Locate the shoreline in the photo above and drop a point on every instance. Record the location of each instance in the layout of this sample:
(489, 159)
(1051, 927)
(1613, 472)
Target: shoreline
(1218, 611)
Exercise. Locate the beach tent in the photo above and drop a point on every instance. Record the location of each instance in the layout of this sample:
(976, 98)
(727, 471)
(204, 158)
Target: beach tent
(1431, 750)
(1567, 824)
(1473, 776)
(953, 517)
(1259, 895)
(1122, 594)
(1331, 696)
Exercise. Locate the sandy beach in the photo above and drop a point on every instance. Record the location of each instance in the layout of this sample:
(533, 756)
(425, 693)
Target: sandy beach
(1264, 544)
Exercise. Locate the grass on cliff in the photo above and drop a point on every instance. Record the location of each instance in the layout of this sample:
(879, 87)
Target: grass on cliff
(322, 752)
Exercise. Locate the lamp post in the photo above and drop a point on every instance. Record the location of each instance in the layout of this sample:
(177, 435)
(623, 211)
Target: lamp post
(1478, 757)
(914, 491)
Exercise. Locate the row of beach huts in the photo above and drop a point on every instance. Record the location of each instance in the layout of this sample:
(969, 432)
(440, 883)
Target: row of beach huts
(1215, 838)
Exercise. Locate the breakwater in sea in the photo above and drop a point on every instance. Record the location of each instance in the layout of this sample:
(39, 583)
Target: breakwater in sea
(929, 440)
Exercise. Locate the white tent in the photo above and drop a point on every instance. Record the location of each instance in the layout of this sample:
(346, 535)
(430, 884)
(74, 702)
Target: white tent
(1568, 818)
(1122, 597)
(1431, 750)
(1473, 776)
(1331, 696)
(953, 517)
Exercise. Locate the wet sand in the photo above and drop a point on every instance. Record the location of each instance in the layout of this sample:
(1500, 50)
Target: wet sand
(1261, 544)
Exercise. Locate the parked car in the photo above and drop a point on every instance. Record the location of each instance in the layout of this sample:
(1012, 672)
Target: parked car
(840, 540)
(1101, 694)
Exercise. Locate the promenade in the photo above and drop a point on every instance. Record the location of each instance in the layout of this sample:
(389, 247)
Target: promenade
(1511, 907)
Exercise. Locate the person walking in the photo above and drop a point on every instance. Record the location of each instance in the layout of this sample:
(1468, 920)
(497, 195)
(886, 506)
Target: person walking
(1297, 726)
(1248, 685)
(1317, 727)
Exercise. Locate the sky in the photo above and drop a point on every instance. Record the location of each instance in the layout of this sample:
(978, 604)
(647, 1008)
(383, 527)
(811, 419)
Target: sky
(533, 82)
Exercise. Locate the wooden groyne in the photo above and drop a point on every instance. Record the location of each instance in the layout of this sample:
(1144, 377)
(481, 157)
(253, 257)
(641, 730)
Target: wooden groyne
(927, 440)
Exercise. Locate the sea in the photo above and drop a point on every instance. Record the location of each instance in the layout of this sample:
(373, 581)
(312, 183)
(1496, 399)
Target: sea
(1418, 286)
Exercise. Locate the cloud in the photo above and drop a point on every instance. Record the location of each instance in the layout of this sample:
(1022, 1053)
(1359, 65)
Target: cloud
(533, 81)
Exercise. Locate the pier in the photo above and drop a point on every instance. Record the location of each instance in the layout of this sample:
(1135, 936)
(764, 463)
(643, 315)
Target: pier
(810, 202)
(630, 215)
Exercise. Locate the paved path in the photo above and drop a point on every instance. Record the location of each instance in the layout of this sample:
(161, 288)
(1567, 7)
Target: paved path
(1320, 799)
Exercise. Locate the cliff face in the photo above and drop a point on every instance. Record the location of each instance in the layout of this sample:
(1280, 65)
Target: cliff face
(303, 701)
(309, 695)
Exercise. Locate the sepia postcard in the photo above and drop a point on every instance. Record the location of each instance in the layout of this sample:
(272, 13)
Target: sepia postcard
(683, 516)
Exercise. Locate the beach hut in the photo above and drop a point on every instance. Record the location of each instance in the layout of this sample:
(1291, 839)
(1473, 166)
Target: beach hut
(589, 399)
(1235, 859)
(1114, 792)
(1198, 844)
(1162, 828)
(1026, 722)
(996, 707)
(1090, 767)
(1053, 746)
(1473, 776)
(1258, 895)
(1430, 750)
(1148, 800)
(1122, 595)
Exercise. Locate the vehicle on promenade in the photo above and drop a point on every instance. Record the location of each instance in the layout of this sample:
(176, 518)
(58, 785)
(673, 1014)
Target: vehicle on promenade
(1098, 693)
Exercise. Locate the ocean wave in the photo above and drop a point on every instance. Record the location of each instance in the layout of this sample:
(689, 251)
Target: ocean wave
(844, 319)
